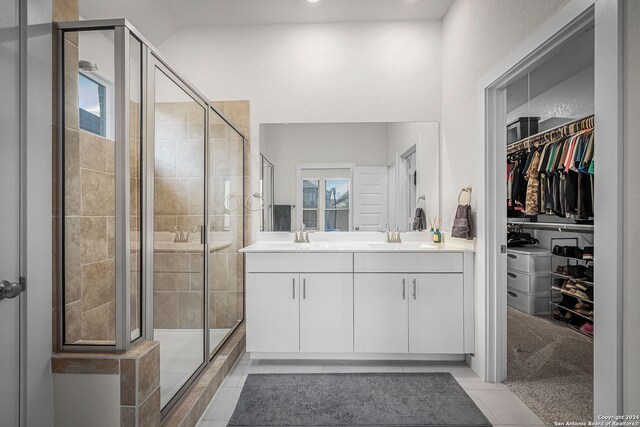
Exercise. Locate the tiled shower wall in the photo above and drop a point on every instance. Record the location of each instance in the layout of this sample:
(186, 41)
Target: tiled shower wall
(178, 281)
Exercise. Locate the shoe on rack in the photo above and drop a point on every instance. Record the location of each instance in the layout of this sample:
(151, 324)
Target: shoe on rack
(579, 294)
(573, 252)
(558, 250)
(581, 286)
(589, 273)
(588, 253)
(587, 328)
(558, 282)
(563, 269)
(577, 272)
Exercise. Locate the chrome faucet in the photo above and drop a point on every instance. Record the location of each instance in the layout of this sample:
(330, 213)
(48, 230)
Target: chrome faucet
(301, 236)
(392, 236)
(181, 236)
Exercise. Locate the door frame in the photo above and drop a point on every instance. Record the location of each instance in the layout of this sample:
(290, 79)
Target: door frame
(491, 357)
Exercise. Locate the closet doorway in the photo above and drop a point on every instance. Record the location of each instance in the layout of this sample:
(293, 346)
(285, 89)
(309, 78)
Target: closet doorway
(545, 89)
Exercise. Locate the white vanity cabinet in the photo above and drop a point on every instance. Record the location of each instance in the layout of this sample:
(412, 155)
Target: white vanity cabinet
(303, 311)
(367, 304)
(408, 313)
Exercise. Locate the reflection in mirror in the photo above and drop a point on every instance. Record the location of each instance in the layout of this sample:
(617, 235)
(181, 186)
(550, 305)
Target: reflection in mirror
(348, 176)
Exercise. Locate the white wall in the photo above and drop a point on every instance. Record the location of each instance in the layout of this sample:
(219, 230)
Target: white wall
(631, 289)
(572, 98)
(476, 35)
(286, 145)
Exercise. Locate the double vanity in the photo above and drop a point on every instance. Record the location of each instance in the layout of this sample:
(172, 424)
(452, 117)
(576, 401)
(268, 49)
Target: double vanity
(351, 296)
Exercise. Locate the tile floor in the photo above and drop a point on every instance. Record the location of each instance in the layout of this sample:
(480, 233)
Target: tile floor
(496, 401)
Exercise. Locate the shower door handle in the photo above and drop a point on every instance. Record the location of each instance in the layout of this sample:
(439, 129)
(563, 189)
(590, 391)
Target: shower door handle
(414, 288)
(10, 290)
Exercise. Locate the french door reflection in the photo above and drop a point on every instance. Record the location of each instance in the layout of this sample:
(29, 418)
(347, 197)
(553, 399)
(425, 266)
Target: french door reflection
(179, 199)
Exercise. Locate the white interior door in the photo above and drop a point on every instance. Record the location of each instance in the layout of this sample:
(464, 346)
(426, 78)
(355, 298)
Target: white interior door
(380, 315)
(9, 216)
(436, 313)
(273, 312)
(326, 312)
(369, 198)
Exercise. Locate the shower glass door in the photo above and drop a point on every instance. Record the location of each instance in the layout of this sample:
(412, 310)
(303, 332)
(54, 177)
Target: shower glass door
(178, 243)
(226, 229)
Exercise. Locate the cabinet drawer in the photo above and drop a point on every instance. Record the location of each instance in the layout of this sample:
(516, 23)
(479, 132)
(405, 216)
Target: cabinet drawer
(528, 262)
(408, 262)
(529, 303)
(530, 284)
(288, 262)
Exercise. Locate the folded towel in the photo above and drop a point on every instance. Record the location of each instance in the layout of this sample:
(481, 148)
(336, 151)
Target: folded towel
(463, 223)
(419, 220)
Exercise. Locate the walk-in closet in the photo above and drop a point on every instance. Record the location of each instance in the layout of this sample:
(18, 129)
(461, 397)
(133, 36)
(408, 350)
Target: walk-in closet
(550, 167)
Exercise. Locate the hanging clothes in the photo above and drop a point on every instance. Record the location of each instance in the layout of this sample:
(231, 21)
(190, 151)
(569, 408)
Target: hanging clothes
(533, 185)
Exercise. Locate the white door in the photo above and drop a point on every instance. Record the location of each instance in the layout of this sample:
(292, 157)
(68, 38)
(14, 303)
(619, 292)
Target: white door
(380, 315)
(369, 198)
(326, 312)
(9, 216)
(273, 308)
(436, 313)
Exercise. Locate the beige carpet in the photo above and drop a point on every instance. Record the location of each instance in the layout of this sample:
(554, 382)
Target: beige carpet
(550, 368)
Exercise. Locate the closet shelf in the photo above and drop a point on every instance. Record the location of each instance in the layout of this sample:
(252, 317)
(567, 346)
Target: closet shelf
(555, 288)
(552, 226)
(572, 311)
(572, 257)
(586, 282)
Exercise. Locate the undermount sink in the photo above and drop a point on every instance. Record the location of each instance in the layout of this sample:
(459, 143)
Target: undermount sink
(296, 246)
(401, 246)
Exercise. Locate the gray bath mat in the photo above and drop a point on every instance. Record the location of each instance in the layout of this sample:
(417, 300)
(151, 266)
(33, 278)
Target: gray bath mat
(371, 399)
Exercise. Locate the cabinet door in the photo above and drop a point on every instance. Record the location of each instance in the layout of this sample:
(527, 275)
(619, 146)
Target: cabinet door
(436, 313)
(273, 307)
(326, 312)
(381, 313)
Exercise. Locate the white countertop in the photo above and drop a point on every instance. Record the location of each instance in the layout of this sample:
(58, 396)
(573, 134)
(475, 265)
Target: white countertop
(412, 242)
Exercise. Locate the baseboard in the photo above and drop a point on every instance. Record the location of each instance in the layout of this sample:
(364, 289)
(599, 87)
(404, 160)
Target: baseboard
(359, 356)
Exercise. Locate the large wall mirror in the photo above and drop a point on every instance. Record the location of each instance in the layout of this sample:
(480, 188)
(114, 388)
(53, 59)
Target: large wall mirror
(348, 176)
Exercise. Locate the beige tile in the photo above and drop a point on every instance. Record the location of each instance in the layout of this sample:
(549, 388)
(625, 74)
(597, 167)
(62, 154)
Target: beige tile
(94, 324)
(73, 322)
(197, 282)
(165, 159)
(171, 196)
(80, 365)
(171, 262)
(171, 281)
(190, 158)
(221, 309)
(188, 223)
(110, 154)
(128, 382)
(65, 10)
(149, 411)
(196, 196)
(71, 85)
(72, 261)
(164, 223)
(71, 172)
(197, 263)
(92, 152)
(231, 308)
(111, 320)
(238, 112)
(165, 310)
(219, 271)
(111, 237)
(190, 310)
(128, 416)
(240, 305)
(98, 193)
(94, 244)
(196, 121)
(171, 120)
(98, 284)
(148, 373)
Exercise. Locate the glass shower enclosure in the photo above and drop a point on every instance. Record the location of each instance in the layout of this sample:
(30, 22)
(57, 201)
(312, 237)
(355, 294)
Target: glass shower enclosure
(150, 210)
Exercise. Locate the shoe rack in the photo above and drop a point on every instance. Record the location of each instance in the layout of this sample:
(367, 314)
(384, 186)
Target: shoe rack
(569, 306)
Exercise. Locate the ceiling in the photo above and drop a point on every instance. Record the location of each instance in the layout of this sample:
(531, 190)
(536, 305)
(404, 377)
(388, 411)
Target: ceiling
(160, 19)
